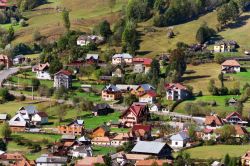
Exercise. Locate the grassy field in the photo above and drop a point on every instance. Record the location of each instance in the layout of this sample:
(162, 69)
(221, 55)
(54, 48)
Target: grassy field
(217, 151)
(102, 150)
(83, 16)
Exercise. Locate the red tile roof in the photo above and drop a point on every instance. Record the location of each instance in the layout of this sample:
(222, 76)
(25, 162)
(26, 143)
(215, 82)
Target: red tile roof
(230, 63)
(65, 72)
(151, 93)
(213, 119)
(233, 114)
(136, 108)
(240, 130)
(175, 85)
(145, 61)
(137, 127)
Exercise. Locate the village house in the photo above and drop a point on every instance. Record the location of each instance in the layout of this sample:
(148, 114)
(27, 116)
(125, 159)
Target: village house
(142, 132)
(5, 61)
(213, 121)
(176, 91)
(122, 58)
(240, 131)
(63, 78)
(111, 92)
(8, 158)
(136, 113)
(225, 46)
(90, 161)
(17, 123)
(230, 66)
(92, 58)
(118, 71)
(101, 131)
(74, 128)
(27, 112)
(245, 159)
(101, 141)
(25, 162)
(148, 97)
(84, 140)
(19, 59)
(179, 140)
(142, 65)
(158, 150)
(126, 88)
(154, 107)
(46, 159)
(84, 40)
(209, 134)
(101, 109)
(122, 138)
(81, 151)
(40, 118)
(42, 71)
(232, 102)
(142, 89)
(234, 118)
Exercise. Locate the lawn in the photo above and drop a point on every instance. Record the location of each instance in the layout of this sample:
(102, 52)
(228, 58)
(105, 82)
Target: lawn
(217, 151)
(220, 109)
(103, 150)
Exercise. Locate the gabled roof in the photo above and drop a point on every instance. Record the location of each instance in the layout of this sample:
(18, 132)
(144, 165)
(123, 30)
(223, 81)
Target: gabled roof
(231, 62)
(150, 147)
(213, 119)
(123, 56)
(104, 127)
(64, 72)
(145, 61)
(151, 93)
(94, 56)
(240, 130)
(30, 109)
(101, 107)
(146, 87)
(136, 108)
(233, 114)
(181, 136)
(42, 66)
(175, 86)
(17, 120)
(137, 127)
(111, 88)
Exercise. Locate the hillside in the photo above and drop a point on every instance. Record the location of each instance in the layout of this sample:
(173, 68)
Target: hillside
(153, 43)
(84, 15)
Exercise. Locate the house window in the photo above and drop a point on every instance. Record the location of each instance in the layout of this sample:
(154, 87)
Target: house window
(176, 143)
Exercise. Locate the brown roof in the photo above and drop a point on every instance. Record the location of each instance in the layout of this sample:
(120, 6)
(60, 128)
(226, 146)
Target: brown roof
(240, 130)
(175, 85)
(101, 139)
(25, 162)
(136, 108)
(213, 119)
(230, 63)
(151, 93)
(11, 156)
(152, 161)
(122, 136)
(137, 156)
(90, 161)
(65, 72)
(42, 114)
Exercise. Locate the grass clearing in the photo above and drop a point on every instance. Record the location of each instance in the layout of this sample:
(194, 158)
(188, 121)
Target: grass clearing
(217, 151)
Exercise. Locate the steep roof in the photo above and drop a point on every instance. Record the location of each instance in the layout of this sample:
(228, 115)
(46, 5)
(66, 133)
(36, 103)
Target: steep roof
(213, 119)
(146, 87)
(146, 128)
(231, 62)
(111, 88)
(151, 93)
(94, 56)
(17, 120)
(29, 108)
(136, 108)
(233, 114)
(181, 136)
(151, 147)
(240, 130)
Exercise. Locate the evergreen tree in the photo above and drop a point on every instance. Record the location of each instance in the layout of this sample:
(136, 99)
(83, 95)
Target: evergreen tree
(5, 130)
(105, 29)
(129, 38)
(66, 20)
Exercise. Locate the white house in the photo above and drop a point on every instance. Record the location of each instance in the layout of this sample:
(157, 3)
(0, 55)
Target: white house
(230, 66)
(122, 58)
(39, 118)
(154, 107)
(147, 97)
(179, 140)
(81, 151)
(42, 71)
(102, 141)
(50, 160)
(176, 91)
(84, 40)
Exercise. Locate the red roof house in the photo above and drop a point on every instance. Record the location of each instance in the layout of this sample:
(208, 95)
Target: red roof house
(136, 113)
(176, 91)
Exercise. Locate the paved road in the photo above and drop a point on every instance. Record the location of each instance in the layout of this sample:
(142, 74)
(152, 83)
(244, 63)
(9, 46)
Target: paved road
(4, 74)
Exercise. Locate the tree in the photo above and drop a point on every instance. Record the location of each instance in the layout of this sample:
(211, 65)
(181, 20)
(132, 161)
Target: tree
(61, 112)
(55, 66)
(129, 38)
(154, 72)
(204, 33)
(226, 159)
(233, 10)
(192, 132)
(137, 10)
(4, 94)
(105, 30)
(3, 145)
(37, 35)
(226, 132)
(35, 83)
(66, 20)
(130, 99)
(5, 131)
(11, 34)
(221, 78)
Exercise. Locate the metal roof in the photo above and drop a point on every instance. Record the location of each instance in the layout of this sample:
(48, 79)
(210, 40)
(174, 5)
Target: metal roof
(148, 147)
(181, 136)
